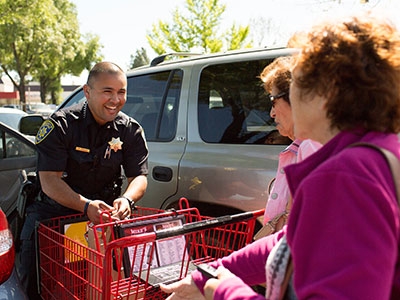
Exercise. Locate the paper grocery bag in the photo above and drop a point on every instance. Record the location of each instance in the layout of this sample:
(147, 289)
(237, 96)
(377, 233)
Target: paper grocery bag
(97, 239)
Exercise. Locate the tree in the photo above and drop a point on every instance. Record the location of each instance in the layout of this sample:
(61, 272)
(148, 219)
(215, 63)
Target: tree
(68, 52)
(197, 30)
(81, 56)
(266, 33)
(139, 59)
(40, 38)
(24, 28)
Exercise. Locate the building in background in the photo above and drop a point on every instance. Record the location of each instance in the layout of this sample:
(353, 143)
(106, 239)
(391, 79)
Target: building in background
(10, 96)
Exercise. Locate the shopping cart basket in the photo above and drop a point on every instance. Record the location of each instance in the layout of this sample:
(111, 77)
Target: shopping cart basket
(128, 259)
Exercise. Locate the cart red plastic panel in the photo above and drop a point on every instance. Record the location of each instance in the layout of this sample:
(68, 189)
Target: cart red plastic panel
(119, 265)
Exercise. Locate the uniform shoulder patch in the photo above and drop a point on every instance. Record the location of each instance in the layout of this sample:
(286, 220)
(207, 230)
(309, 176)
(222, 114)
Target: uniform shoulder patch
(44, 131)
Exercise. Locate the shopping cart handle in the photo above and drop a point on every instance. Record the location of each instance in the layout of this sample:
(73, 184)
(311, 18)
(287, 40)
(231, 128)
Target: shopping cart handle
(204, 224)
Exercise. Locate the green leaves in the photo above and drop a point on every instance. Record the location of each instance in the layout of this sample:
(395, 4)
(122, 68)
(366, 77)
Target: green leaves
(197, 29)
(41, 38)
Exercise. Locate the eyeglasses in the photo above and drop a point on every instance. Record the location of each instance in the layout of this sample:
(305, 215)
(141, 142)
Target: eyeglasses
(276, 97)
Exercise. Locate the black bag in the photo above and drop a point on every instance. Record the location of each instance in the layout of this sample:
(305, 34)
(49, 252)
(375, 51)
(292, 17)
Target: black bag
(28, 192)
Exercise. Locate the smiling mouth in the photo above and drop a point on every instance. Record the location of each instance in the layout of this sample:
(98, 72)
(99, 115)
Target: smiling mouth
(113, 108)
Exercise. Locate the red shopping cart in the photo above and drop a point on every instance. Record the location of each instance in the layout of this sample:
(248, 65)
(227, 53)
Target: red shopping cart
(130, 258)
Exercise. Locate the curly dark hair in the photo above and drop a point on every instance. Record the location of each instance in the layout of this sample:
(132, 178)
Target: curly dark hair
(356, 65)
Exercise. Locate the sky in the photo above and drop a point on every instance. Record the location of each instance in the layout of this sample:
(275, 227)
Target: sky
(122, 25)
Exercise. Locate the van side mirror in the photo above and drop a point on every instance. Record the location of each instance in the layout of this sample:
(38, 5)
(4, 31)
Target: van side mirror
(30, 124)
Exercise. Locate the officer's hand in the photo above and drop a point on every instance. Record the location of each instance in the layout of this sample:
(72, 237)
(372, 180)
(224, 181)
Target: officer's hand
(122, 208)
(97, 209)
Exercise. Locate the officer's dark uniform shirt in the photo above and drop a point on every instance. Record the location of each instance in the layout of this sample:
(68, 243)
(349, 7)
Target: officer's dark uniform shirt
(91, 155)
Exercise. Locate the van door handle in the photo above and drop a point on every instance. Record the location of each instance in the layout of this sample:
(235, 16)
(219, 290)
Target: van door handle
(163, 174)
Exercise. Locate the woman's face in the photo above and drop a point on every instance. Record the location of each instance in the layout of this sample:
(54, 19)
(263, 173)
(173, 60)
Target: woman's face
(282, 113)
(309, 113)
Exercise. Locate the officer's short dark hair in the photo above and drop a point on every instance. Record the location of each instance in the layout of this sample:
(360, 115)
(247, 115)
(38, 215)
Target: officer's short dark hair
(103, 67)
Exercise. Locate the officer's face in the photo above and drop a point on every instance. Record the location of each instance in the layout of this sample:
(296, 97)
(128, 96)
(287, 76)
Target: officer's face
(106, 96)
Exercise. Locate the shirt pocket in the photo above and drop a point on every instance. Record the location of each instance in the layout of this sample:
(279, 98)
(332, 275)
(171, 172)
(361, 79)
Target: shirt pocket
(113, 160)
(81, 157)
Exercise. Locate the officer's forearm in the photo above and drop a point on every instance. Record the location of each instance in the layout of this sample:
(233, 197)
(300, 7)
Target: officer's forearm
(136, 188)
(56, 188)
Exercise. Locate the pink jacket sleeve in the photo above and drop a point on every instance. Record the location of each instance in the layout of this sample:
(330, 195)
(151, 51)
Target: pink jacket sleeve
(248, 264)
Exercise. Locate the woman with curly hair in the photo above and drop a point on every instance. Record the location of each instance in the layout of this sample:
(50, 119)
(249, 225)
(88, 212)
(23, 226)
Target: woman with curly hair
(343, 233)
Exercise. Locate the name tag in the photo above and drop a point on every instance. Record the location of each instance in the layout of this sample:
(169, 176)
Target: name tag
(80, 149)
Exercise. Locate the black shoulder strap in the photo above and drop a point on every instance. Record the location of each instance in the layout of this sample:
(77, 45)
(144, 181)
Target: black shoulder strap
(393, 161)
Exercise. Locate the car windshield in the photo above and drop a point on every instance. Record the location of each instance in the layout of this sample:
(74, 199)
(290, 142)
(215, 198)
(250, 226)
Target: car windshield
(11, 117)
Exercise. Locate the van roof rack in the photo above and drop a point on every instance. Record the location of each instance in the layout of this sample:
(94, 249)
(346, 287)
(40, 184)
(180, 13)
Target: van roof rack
(159, 59)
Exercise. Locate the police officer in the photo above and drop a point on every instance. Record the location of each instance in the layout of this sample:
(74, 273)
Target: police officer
(81, 150)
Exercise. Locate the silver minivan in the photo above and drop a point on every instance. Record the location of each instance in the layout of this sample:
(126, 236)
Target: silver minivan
(206, 120)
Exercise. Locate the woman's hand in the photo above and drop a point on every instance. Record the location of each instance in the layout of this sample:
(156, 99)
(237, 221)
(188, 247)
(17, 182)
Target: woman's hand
(212, 284)
(184, 289)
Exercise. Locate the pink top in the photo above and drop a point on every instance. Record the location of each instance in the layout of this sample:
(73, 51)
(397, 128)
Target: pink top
(279, 195)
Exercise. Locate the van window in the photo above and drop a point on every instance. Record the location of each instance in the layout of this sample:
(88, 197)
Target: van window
(153, 100)
(233, 107)
(79, 97)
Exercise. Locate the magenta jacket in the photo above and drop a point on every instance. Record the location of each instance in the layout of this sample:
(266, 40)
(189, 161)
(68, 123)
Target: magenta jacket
(343, 231)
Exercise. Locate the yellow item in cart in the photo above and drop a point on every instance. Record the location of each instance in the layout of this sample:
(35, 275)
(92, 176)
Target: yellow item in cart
(75, 233)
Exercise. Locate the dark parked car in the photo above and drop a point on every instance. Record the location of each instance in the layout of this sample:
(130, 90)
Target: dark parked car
(17, 158)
